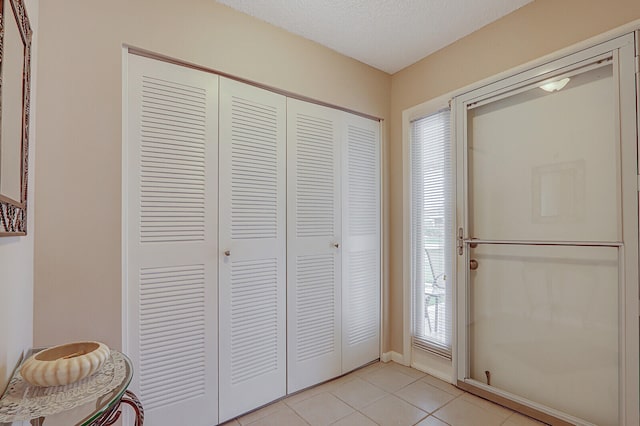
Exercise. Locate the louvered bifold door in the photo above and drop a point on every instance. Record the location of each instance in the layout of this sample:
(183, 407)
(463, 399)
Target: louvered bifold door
(313, 244)
(170, 204)
(252, 247)
(361, 242)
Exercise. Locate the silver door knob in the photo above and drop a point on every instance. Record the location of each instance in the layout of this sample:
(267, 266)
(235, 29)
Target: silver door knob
(227, 253)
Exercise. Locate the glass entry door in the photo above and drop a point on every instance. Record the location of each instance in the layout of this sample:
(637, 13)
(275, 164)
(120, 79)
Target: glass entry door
(541, 244)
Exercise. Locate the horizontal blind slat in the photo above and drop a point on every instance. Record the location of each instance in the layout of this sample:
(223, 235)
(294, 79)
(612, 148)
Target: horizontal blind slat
(432, 230)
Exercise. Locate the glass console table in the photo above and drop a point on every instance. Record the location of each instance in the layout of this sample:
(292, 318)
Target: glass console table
(93, 401)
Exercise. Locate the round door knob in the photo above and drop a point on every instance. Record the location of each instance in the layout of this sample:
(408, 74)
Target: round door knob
(473, 264)
(336, 245)
(227, 253)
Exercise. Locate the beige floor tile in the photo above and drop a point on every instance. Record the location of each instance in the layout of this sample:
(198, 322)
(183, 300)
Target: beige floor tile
(322, 409)
(263, 412)
(415, 396)
(393, 411)
(286, 416)
(487, 405)
(388, 379)
(460, 412)
(442, 385)
(424, 396)
(371, 367)
(416, 374)
(316, 390)
(431, 421)
(358, 393)
(336, 383)
(517, 419)
(355, 419)
(301, 396)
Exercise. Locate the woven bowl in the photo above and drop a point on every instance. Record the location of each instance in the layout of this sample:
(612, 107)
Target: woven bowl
(64, 364)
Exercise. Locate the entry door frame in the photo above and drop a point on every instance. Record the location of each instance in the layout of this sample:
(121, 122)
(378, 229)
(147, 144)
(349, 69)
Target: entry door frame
(623, 49)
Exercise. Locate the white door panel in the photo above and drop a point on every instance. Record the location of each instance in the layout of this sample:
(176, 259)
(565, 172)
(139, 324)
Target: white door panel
(171, 240)
(313, 244)
(252, 248)
(361, 242)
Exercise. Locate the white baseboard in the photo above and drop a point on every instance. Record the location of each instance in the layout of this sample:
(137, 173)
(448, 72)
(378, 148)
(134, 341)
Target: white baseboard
(433, 365)
(393, 356)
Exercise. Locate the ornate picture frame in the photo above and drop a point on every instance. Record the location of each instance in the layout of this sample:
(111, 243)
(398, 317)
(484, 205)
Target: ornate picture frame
(13, 213)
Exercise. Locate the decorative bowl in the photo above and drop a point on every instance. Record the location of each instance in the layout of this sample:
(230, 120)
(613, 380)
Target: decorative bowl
(64, 364)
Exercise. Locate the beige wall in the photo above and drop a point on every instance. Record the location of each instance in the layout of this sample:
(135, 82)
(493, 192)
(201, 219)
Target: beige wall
(535, 30)
(16, 254)
(78, 188)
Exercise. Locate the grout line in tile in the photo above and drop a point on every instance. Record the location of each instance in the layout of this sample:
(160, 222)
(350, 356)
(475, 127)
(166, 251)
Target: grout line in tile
(427, 415)
(438, 418)
(356, 409)
(444, 405)
(300, 417)
(367, 416)
(428, 384)
(347, 415)
(399, 372)
(419, 408)
(446, 388)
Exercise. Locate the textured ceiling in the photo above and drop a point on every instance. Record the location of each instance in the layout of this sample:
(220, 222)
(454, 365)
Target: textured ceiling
(386, 34)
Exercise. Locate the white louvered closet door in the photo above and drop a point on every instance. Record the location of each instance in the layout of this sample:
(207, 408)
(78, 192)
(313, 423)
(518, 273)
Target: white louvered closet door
(361, 242)
(313, 244)
(171, 240)
(252, 247)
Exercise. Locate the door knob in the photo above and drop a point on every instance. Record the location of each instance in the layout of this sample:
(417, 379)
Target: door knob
(336, 245)
(227, 253)
(473, 264)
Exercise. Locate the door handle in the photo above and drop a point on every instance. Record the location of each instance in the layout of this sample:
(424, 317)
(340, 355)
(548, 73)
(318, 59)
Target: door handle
(227, 253)
(336, 245)
(473, 264)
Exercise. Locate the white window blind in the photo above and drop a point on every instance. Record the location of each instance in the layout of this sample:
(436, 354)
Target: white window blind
(432, 232)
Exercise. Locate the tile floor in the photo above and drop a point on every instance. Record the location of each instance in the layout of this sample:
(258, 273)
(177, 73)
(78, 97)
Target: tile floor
(384, 394)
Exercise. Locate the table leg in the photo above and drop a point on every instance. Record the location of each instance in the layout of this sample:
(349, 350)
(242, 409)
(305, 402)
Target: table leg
(114, 414)
(131, 399)
(109, 417)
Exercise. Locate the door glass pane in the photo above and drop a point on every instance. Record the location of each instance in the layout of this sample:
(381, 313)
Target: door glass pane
(544, 324)
(545, 165)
